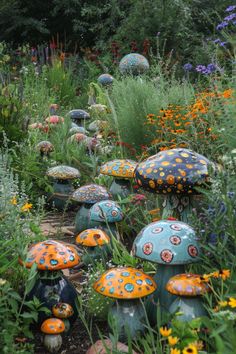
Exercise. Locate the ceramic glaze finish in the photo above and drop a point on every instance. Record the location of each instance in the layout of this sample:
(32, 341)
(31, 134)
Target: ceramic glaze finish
(54, 120)
(106, 211)
(78, 114)
(92, 238)
(77, 137)
(51, 255)
(119, 168)
(125, 283)
(133, 63)
(52, 326)
(187, 285)
(52, 342)
(62, 310)
(105, 79)
(77, 129)
(62, 192)
(173, 171)
(167, 242)
(91, 194)
(45, 147)
(189, 308)
(120, 188)
(63, 172)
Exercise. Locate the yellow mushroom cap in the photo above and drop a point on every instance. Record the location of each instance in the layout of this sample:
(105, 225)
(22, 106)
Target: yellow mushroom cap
(92, 238)
(62, 310)
(125, 283)
(119, 168)
(187, 285)
(53, 326)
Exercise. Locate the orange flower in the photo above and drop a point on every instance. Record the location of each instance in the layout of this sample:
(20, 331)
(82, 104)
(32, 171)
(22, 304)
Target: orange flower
(26, 207)
(165, 332)
(224, 274)
(172, 340)
(14, 201)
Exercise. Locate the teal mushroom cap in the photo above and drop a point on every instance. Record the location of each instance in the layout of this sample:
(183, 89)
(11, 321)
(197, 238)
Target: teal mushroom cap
(167, 242)
(91, 194)
(106, 211)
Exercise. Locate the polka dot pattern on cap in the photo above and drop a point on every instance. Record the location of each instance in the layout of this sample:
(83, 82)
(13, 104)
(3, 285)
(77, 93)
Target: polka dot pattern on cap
(91, 194)
(119, 168)
(187, 285)
(92, 238)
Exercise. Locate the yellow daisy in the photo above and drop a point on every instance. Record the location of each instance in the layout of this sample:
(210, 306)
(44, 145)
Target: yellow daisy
(174, 351)
(190, 349)
(165, 332)
(232, 302)
(172, 340)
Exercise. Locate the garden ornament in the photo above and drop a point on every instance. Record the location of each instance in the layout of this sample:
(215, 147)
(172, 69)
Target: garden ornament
(54, 120)
(105, 80)
(52, 328)
(133, 64)
(75, 129)
(63, 311)
(79, 116)
(77, 137)
(45, 148)
(53, 108)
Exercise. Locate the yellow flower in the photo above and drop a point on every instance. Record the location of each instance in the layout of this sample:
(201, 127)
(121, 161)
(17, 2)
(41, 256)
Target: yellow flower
(172, 340)
(224, 273)
(199, 344)
(190, 349)
(14, 201)
(223, 303)
(232, 302)
(26, 207)
(165, 332)
(174, 351)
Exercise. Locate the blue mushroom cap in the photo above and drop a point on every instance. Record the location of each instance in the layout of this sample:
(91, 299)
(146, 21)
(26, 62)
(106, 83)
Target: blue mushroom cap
(167, 242)
(106, 210)
(78, 114)
(133, 63)
(105, 79)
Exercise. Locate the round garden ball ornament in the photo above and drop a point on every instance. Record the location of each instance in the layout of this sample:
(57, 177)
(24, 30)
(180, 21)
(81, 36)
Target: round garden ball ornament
(62, 186)
(172, 245)
(176, 174)
(96, 243)
(189, 288)
(105, 80)
(87, 196)
(79, 116)
(123, 172)
(63, 311)
(105, 215)
(45, 148)
(51, 287)
(52, 328)
(127, 285)
(134, 64)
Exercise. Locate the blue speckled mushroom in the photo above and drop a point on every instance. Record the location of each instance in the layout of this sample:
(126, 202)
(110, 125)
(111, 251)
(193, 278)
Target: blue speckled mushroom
(105, 80)
(133, 64)
(88, 195)
(171, 244)
(79, 116)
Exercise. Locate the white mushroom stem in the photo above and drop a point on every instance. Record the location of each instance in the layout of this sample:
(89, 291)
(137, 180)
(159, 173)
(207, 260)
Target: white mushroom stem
(52, 342)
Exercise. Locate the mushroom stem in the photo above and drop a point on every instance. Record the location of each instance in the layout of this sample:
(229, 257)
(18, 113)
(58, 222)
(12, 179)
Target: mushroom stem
(188, 308)
(62, 191)
(52, 342)
(179, 206)
(82, 218)
(120, 187)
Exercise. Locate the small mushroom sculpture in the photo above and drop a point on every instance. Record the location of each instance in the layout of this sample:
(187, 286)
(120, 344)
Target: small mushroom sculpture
(133, 64)
(105, 215)
(45, 148)
(127, 285)
(51, 287)
(62, 186)
(87, 196)
(63, 311)
(189, 288)
(54, 120)
(79, 116)
(123, 173)
(172, 245)
(78, 138)
(53, 108)
(76, 129)
(96, 243)
(105, 80)
(176, 174)
(52, 329)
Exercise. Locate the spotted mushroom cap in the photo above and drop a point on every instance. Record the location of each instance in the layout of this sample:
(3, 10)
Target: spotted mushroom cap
(106, 210)
(62, 310)
(45, 146)
(133, 63)
(78, 114)
(125, 283)
(77, 129)
(173, 171)
(92, 238)
(119, 168)
(51, 255)
(53, 326)
(167, 242)
(63, 172)
(54, 120)
(187, 285)
(105, 79)
(91, 194)
(77, 137)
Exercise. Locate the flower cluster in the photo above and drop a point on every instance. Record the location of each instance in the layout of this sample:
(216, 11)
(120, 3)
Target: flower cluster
(203, 69)
(173, 341)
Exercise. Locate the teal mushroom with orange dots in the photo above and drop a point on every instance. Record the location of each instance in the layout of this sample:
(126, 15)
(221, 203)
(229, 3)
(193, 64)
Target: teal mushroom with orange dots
(52, 329)
(133, 64)
(127, 286)
(123, 172)
(176, 174)
(79, 116)
(87, 196)
(189, 288)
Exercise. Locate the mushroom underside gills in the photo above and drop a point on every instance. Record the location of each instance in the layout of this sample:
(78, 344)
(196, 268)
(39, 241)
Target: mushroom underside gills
(178, 206)
(188, 308)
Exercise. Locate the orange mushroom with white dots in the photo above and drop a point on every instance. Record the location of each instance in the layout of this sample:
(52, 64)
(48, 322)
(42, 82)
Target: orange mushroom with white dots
(127, 285)
(52, 328)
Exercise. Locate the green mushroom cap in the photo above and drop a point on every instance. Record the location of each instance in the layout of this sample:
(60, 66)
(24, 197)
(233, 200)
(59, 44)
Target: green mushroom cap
(106, 210)
(167, 242)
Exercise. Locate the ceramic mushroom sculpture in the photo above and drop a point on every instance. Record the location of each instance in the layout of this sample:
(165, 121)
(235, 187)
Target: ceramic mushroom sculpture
(64, 312)
(52, 329)
(105, 215)
(45, 148)
(172, 245)
(79, 116)
(123, 173)
(51, 287)
(62, 186)
(105, 80)
(133, 64)
(189, 288)
(96, 244)
(54, 120)
(127, 286)
(53, 108)
(76, 129)
(176, 174)
(87, 196)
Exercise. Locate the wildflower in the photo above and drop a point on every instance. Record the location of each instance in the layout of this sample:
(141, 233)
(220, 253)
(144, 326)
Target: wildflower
(191, 348)
(232, 302)
(172, 340)
(217, 40)
(174, 351)
(211, 68)
(224, 274)
(26, 207)
(14, 201)
(222, 25)
(230, 8)
(223, 303)
(187, 67)
(2, 281)
(230, 17)
(165, 332)
(222, 44)
(201, 68)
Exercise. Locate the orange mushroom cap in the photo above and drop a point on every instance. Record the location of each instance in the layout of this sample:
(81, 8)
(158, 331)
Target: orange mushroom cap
(119, 168)
(125, 283)
(92, 238)
(51, 255)
(53, 326)
(62, 310)
(187, 285)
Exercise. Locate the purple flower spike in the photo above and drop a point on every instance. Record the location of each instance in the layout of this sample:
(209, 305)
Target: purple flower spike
(222, 25)
(216, 40)
(230, 8)
(222, 44)
(187, 67)
(230, 17)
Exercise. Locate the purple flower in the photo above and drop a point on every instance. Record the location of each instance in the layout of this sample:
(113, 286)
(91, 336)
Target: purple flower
(216, 40)
(222, 25)
(222, 44)
(230, 17)
(187, 67)
(211, 68)
(230, 8)
(200, 68)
